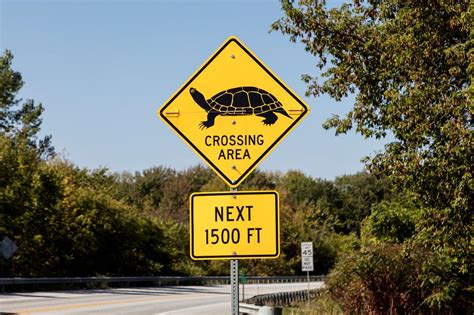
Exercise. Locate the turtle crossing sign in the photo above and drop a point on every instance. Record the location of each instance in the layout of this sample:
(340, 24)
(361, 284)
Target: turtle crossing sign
(233, 111)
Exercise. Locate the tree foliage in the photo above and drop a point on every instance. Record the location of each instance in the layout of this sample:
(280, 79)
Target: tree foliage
(359, 192)
(409, 64)
(392, 221)
(19, 120)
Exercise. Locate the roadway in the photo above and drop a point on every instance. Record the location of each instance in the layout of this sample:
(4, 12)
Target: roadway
(150, 300)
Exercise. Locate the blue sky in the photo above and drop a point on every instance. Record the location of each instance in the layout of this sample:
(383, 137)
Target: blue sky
(102, 68)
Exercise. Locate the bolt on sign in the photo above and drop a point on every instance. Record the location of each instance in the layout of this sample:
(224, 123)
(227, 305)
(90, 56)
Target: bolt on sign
(233, 111)
(234, 225)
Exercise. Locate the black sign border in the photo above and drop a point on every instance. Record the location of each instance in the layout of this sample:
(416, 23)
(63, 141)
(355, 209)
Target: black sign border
(201, 154)
(231, 193)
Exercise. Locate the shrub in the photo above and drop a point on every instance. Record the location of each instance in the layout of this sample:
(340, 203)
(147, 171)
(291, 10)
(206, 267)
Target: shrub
(379, 279)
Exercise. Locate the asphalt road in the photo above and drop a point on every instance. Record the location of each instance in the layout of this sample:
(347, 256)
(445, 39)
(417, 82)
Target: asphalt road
(153, 300)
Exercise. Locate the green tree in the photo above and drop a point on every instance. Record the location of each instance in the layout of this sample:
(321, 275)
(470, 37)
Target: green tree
(144, 189)
(96, 234)
(409, 64)
(358, 194)
(176, 191)
(29, 198)
(19, 120)
(307, 206)
(28, 191)
(392, 221)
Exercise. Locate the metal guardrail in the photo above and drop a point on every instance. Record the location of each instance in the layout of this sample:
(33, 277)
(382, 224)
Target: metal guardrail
(159, 280)
(283, 298)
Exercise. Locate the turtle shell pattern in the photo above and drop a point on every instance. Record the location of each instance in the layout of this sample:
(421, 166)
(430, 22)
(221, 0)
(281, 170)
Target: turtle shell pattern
(245, 100)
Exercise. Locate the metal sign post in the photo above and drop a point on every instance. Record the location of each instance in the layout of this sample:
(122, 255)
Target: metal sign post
(307, 276)
(234, 283)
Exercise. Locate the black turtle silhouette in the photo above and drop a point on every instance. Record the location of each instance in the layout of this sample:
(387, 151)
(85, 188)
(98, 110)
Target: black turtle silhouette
(239, 101)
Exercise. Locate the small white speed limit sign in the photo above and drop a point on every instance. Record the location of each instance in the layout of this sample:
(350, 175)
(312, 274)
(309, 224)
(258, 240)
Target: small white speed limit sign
(307, 256)
(306, 249)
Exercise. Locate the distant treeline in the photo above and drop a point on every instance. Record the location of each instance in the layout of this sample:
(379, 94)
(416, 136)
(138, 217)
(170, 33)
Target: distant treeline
(69, 221)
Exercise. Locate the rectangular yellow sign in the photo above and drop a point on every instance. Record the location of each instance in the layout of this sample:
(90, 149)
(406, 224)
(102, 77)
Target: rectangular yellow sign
(234, 225)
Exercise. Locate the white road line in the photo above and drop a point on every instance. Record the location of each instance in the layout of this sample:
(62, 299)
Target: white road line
(203, 309)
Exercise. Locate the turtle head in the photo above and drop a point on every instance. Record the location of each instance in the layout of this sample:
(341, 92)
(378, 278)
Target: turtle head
(199, 99)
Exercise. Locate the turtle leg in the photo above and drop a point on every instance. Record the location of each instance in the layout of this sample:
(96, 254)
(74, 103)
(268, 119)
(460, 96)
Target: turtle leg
(270, 118)
(211, 116)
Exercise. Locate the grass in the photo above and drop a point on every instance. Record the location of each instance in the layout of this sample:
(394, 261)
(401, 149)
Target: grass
(318, 305)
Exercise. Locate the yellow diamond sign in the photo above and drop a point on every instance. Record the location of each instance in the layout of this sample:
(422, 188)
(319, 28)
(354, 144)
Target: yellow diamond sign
(233, 111)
